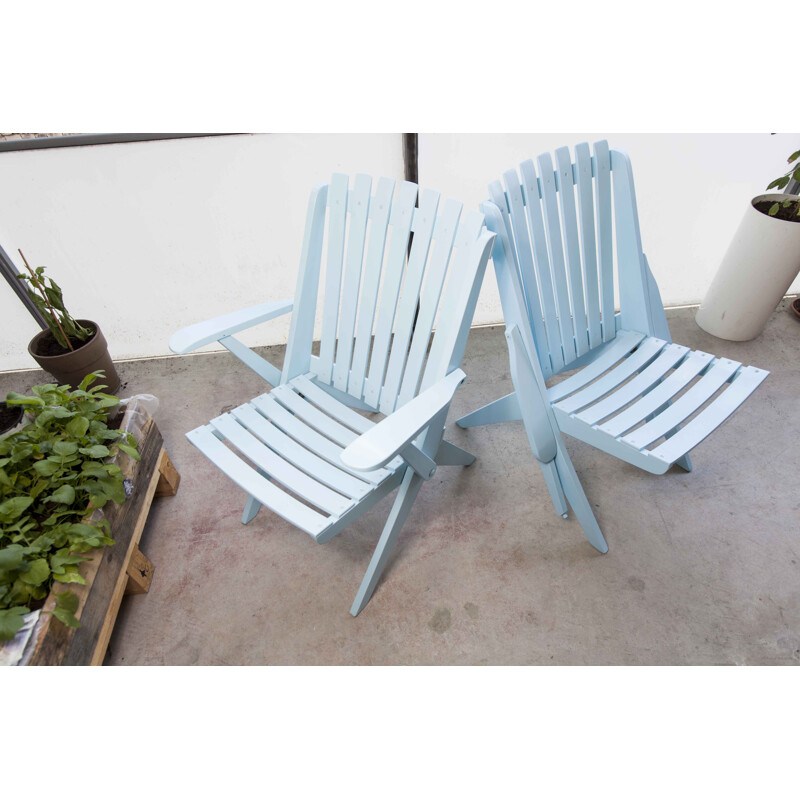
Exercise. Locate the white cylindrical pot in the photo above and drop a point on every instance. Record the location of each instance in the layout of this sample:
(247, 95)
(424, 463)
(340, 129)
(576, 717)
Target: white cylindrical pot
(762, 261)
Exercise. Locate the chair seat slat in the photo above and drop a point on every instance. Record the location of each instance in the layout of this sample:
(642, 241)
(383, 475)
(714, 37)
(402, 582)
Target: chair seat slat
(331, 406)
(625, 342)
(266, 492)
(319, 469)
(313, 416)
(648, 378)
(278, 469)
(689, 369)
(637, 360)
(711, 417)
(720, 372)
(311, 438)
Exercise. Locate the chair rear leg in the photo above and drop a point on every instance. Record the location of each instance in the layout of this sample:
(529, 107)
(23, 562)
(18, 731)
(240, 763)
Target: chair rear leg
(506, 409)
(406, 496)
(576, 497)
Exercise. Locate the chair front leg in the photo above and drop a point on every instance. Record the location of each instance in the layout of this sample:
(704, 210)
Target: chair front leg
(409, 489)
(407, 494)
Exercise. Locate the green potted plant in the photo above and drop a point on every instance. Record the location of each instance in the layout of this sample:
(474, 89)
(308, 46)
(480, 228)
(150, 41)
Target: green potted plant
(762, 261)
(53, 473)
(68, 349)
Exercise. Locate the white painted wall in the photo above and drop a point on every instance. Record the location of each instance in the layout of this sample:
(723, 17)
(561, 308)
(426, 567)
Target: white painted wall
(692, 191)
(147, 237)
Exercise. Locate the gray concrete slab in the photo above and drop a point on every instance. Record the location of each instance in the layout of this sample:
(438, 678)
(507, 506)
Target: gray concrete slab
(703, 568)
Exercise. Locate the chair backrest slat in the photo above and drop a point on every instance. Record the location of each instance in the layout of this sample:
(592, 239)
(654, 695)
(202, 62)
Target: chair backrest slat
(382, 300)
(379, 212)
(555, 251)
(458, 305)
(569, 221)
(583, 178)
(358, 202)
(408, 302)
(444, 235)
(337, 221)
(570, 233)
(400, 220)
(532, 196)
(605, 246)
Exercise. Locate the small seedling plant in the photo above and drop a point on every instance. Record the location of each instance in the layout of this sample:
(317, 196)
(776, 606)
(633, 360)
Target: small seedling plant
(47, 297)
(781, 183)
(53, 473)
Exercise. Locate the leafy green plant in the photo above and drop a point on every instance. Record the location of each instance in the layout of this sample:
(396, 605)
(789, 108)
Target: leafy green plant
(53, 473)
(47, 297)
(793, 174)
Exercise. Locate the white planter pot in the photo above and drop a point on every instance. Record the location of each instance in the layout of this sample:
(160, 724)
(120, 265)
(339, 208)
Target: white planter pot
(760, 265)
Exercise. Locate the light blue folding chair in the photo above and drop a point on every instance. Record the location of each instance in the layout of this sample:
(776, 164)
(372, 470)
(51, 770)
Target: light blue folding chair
(636, 395)
(302, 449)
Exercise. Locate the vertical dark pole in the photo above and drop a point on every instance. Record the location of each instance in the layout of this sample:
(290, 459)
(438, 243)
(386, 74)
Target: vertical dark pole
(410, 166)
(10, 274)
(411, 173)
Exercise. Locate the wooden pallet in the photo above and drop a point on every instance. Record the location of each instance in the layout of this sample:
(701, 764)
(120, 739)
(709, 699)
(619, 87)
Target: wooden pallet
(113, 571)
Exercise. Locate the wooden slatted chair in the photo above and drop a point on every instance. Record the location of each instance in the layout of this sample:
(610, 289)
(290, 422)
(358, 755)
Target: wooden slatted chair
(302, 449)
(636, 395)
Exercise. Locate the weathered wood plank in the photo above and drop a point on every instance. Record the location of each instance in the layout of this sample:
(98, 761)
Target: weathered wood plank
(140, 573)
(127, 522)
(170, 478)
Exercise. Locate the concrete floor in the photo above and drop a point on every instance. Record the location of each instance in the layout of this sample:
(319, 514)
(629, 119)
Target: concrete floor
(702, 567)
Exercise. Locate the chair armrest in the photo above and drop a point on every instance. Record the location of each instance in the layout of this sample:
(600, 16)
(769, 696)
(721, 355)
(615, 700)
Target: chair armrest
(381, 444)
(212, 330)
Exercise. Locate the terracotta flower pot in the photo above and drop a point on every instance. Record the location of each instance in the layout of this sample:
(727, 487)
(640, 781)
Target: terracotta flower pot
(74, 366)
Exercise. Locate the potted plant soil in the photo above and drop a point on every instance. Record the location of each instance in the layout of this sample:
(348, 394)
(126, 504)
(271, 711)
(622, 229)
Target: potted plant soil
(69, 349)
(762, 261)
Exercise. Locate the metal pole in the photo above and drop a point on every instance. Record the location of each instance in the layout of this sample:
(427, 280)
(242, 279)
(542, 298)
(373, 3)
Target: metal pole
(10, 273)
(410, 164)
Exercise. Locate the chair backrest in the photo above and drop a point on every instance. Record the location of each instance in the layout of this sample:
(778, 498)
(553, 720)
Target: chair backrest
(557, 235)
(394, 271)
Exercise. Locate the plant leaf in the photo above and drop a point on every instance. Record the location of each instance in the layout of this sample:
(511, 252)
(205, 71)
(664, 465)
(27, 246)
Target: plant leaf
(11, 620)
(131, 451)
(77, 427)
(37, 574)
(65, 448)
(12, 509)
(773, 209)
(64, 494)
(96, 451)
(66, 606)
